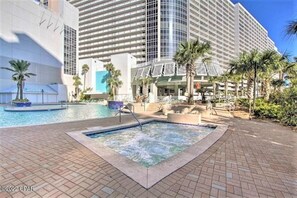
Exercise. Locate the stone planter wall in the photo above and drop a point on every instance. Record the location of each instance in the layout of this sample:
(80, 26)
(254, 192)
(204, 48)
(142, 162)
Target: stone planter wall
(184, 118)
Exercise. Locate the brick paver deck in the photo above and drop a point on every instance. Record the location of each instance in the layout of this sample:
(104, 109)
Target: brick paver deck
(252, 159)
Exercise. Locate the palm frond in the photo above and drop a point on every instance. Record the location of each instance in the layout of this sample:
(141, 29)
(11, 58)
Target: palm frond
(291, 28)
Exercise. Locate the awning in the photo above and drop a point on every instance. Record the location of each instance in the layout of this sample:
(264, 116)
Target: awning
(169, 69)
(146, 71)
(200, 69)
(139, 73)
(181, 70)
(157, 70)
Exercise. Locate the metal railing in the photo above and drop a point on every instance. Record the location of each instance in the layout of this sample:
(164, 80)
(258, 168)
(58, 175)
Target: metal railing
(132, 112)
(64, 103)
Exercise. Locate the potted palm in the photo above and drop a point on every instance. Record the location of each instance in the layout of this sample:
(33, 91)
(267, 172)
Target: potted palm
(113, 82)
(20, 73)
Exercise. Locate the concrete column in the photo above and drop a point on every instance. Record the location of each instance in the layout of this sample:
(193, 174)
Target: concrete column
(176, 90)
(154, 93)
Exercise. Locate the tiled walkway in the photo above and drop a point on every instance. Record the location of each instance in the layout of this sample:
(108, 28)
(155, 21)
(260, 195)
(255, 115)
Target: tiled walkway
(252, 159)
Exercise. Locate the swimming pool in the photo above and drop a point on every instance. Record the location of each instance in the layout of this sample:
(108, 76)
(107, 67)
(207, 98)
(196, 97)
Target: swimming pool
(156, 142)
(72, 113)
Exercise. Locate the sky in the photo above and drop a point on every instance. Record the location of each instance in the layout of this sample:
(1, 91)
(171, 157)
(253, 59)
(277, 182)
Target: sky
(274, 16)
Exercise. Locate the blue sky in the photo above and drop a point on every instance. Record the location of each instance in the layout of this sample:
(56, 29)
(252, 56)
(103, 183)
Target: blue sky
(274, 15)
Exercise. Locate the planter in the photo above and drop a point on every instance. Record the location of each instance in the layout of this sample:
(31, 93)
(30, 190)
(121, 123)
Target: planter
(22, 104)
(115, 104)
(184, 118)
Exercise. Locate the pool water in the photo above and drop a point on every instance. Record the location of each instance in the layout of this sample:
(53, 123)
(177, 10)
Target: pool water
(156, 142)
(72, 113)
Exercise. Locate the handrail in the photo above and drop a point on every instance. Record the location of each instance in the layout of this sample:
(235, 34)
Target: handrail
(64, 103)
(120, 115)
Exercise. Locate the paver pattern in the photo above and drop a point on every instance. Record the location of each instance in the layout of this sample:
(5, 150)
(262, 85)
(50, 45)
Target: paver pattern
(252, 159)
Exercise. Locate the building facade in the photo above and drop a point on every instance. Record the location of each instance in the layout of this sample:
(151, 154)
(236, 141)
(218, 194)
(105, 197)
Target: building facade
(152, 29)
(34, 31)
(214, 21)
(249, 33)
(111, 27)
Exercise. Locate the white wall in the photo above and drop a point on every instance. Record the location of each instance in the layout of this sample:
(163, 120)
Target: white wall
(124, 62)
(33, 33)
(94, 65)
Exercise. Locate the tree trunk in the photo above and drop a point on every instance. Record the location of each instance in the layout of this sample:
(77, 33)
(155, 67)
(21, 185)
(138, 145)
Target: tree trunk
(21, 90)
(18, 91)
(191, 93)
(188, 80)
(145, 90)
(266, 87)
(214, 90)
(113, 93)
(242, 88)
(84, 82)
(236, 89)
(249, 93)
(249, 88)
(226, 89)
(254, 95)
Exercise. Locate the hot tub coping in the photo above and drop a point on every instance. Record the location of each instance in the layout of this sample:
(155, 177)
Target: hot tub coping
(147, 177)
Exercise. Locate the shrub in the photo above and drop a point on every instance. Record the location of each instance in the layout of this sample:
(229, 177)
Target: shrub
(267, 110)
(243, 102)
(288, 104)
(21, 100)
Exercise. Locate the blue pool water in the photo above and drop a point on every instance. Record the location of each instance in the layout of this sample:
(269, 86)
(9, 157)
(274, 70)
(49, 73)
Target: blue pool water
(157, 141)
(72, 113)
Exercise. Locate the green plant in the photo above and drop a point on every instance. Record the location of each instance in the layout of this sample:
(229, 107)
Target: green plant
(139, 99)
(288, 104)
(145, 83)
(76, 84)
(113, 80)
(291, 28)
(244, 102)
(265, 109)
(84, 71)
(186, 55)
(83, 96)
(20, 100)
(20, 69)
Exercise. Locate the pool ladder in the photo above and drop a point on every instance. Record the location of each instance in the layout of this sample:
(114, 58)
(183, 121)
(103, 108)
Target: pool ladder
(132, 112)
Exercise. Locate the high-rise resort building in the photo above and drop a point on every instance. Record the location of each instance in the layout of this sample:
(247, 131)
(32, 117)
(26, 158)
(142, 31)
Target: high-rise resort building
(151, 31)
(44, 33)
(249, 33)
(111, 27)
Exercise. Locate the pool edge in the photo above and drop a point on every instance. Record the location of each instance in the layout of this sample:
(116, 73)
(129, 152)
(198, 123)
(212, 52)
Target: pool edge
(147, 177)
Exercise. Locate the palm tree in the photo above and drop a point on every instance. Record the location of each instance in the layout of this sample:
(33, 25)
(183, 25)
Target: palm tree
(214, 81)
(76, 84)
(84, 71)
(241, 67)
(235, 78)
(186, 55)
(266, 66)
(252, 64)
(224, 79)
(145, 82)
(20, 69)
(113, 80)
(291, 28)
